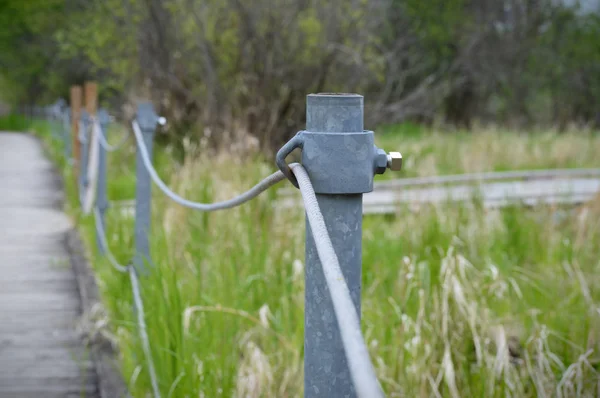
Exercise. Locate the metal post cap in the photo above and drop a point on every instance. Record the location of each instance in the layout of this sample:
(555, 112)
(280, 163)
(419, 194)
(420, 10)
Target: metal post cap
(146, 117)
(103, 116)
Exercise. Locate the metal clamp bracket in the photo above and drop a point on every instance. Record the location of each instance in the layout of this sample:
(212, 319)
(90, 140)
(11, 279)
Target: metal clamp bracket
(295, 142)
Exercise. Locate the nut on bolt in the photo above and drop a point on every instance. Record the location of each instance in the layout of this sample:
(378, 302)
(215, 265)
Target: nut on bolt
(381, 161)
(394, 161)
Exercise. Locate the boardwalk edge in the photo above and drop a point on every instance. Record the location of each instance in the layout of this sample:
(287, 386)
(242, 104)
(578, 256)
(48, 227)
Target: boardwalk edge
(110, 381)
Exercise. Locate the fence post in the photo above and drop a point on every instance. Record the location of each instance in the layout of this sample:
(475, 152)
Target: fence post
(147, 120)
(341, 160)
(51, 117)
(90, 92)
(101, 197)
(75, 115)
(85, 149)
(66, 117)
(91, 97)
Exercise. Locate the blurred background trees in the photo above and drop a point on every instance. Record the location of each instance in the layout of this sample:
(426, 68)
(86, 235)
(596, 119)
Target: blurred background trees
(218, 68)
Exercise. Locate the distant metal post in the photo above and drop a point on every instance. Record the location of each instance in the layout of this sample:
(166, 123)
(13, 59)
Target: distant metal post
(341, 160)
(51, 117)
(90, 95)
(147, 120)
(76, 99)
(101, 197)
(85, 148)
(67, 135)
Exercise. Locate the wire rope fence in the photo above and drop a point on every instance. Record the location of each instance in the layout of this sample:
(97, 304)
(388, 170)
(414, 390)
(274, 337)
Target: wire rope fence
(339, 162)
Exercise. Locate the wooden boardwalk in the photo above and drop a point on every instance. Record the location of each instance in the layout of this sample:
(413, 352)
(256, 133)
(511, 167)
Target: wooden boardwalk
(529, 188)
(41, 354)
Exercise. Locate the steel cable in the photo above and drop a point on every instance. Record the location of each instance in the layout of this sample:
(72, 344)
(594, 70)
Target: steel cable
(227, 204)
(89, 197)
(139, 304)
(361, 368)
(81, 132)
(104, 142)
(103, 241)
(137, 298)
(357, 354)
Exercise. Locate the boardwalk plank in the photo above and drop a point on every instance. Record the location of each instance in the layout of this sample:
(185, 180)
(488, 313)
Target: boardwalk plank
(41, 352)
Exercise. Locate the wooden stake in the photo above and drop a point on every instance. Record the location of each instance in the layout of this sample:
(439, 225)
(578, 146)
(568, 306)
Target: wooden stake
(91, 97)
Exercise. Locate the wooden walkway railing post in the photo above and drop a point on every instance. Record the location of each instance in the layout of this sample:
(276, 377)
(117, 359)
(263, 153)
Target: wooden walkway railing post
(91, 97)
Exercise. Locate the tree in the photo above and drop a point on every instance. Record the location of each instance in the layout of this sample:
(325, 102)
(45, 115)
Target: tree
(224, 69)
(27, 51)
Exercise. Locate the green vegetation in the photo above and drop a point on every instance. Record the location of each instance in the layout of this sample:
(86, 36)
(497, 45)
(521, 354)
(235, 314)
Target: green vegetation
(215, 67)
(13, 123)
(457, 300)
(428, 153)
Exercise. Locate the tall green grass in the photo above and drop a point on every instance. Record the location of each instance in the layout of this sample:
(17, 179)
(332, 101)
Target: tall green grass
(457, 300)
(13, 122)
(435, 152)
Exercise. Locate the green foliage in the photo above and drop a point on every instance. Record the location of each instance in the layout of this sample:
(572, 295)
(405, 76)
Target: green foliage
(401, 130)
(433, 152)
(14, 122)
(26, 50)
(217, 67)
(439, 24)
(575, 70)
(312, 30)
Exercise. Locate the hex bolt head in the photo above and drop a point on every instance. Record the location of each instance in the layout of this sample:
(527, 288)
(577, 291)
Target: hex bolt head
(381, 161)
(394, 161)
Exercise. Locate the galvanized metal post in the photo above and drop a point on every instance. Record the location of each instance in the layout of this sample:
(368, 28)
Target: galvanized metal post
(75, 115)
(85, 138)
(51, 117)
(55, 113)
(338, 156)
(341, 160)
(147, 120)
(101, 197)
(67, 135)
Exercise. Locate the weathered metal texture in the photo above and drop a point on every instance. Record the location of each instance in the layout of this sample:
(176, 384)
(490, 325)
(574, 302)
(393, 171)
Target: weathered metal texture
(101, 197)
(85, 149)
(147, 119)
(339, 158)
(337, 153)
(332, 170)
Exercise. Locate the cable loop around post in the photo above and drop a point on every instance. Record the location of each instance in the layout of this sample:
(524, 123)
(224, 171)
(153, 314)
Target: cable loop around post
(82, 132)
(295, 142)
